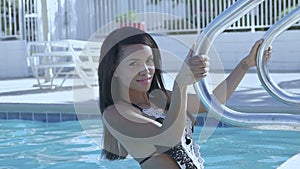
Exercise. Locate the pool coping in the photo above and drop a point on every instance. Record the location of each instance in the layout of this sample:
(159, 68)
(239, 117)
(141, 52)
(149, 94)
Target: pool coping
(43, 112)
(248, 97)
(55, 112)
(37, 107)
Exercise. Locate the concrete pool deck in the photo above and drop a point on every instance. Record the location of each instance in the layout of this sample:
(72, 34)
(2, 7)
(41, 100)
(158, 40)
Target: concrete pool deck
(250, 96)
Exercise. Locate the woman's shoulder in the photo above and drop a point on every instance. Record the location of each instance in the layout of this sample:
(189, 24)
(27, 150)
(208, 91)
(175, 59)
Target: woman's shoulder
(121, 112)
(120, 115)
(115, 109)
(116, 115)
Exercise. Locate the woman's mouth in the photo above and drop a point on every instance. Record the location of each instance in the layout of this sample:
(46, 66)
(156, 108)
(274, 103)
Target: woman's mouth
(144, 81)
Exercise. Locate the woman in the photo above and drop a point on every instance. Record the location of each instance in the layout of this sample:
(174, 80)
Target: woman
(140, 116)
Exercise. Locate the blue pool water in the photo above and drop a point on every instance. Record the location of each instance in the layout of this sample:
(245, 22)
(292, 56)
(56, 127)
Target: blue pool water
(28, 145)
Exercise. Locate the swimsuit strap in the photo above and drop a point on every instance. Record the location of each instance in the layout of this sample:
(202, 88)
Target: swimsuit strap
(159, 117)
(134, 105)
(147, 158)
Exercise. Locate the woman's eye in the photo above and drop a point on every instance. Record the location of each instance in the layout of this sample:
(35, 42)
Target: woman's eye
(133, 64)
(150, 61)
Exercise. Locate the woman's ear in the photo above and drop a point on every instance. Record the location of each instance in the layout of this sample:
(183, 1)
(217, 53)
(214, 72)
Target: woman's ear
(115, 74)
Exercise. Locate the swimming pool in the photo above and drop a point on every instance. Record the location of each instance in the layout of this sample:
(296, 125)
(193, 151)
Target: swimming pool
(30, 144)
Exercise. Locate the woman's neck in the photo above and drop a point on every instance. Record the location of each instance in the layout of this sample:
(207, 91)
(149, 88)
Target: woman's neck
(135, 97)
(139, 98)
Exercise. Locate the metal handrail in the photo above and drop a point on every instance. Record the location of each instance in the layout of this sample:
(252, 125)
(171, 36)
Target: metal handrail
(211, 103)
(262, 70)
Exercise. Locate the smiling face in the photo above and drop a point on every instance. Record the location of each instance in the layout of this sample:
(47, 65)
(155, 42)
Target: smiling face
(136, 69)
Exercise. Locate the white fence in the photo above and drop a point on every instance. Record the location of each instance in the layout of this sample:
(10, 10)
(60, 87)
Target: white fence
(78, 19)
(194, 15)
(19, 19)
(10, 19)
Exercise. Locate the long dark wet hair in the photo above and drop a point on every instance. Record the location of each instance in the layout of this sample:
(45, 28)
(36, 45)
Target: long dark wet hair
(109, 60)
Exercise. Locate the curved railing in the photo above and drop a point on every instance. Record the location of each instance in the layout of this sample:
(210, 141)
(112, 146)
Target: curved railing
(219, 110)
(262, 70)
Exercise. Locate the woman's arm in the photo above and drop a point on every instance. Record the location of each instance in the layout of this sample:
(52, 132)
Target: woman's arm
(129, 125)
(225, 89)
(193, 69)
(235, 77)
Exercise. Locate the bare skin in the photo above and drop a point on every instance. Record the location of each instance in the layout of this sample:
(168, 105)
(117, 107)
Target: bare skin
(140, 134)
(231, 82)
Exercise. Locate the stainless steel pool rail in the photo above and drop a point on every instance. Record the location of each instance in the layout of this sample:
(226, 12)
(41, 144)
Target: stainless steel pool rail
(262, 69)
(211, 103)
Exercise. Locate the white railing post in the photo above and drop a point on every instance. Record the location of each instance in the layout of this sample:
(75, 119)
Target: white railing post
(21, 19)
(198, 15)
(5, 18)
(252, 23)
(1, 19)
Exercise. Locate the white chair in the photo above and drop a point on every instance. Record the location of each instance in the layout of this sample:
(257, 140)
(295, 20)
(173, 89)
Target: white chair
(50, 60)
(87, 62)
(57, 60)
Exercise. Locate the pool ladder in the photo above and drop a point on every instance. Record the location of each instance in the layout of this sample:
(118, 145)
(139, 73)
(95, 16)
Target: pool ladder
(247, 119)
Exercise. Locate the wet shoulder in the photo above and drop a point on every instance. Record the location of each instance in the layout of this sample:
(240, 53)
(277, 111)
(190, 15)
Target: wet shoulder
(120, 113)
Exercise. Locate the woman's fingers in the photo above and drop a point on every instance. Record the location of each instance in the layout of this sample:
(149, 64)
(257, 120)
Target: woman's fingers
(194, 68)
(255, 47)
(198, 59)
(268, 53)
(200, 76)
(198, 65)
(257, 44)
(191, 52)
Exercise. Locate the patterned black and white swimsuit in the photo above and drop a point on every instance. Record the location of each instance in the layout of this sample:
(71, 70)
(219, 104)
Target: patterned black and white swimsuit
(187, 153)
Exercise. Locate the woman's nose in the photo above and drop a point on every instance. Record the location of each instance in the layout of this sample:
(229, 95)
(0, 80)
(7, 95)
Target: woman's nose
(145, 69)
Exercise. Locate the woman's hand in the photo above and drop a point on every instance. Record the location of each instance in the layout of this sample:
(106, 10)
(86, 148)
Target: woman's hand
(250, 60)
(194, 68)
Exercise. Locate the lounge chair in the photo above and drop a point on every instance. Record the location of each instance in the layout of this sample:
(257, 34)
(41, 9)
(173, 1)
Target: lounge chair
(87, 62)
(50, 60)
(56, 61)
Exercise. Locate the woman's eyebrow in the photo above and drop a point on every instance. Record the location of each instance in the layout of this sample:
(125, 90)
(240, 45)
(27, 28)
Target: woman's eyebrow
(133, 59)
(150, 57)
(137, 59)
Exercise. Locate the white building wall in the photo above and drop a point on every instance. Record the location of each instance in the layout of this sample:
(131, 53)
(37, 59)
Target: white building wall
(13, 59)
(232, 47)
